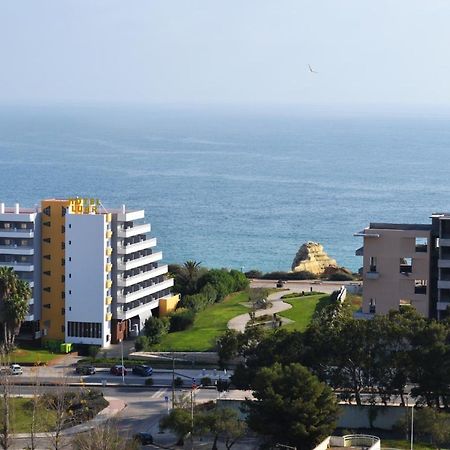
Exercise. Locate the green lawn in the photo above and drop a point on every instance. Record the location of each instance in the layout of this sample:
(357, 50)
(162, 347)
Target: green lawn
(209, 324)
(21, 414)
(32, 355)
(303, 310)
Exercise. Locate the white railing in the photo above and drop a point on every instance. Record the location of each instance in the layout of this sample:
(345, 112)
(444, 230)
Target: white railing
(356, 440)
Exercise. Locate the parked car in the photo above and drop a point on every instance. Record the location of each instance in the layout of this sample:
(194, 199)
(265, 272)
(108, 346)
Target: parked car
(15, 369)
(280, 283)
(118, 370)
(142, 370)
(143, 438)
(85, 370)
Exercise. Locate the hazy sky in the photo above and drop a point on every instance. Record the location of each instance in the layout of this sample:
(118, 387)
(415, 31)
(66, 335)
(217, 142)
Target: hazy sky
(226, 51)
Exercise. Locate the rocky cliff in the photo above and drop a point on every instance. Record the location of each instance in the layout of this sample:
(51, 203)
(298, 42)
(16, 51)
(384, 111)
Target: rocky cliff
(311, 257)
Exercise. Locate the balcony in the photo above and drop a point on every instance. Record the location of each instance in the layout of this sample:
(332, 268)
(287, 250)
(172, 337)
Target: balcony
(166, 284)
(442, 306)
(108, 284)
(108, 268)
(108, 317)
(19, 267)
(125, 282)
(108, 300)
(134, 231)
(108, 234)
(108, 218)
(15, 250)
(444, 263)
(108, 251)
(125, 315)
(442, 284)
(140, 261)
(132, 248)
(16, 233)
(443, 242)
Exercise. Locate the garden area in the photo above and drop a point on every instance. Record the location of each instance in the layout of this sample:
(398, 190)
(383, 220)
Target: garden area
(32, 356)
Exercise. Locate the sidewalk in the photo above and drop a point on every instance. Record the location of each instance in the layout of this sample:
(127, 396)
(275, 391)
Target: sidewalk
(238, 323)
(115, 406)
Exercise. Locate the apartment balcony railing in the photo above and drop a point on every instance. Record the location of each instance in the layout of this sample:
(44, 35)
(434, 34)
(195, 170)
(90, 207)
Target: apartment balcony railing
(129, 281)
(133, 231)
(138, 246)
(125, 315)
(16, 250)
(139, 261)
(144, 292)
(444, 263)
(16, 233)
(108, 300)
(442, 284)
(19, 267)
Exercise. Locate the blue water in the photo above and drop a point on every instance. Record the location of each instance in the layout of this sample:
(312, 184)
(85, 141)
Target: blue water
(228, 188)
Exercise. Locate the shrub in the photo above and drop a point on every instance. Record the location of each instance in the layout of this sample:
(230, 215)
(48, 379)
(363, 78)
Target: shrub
(155, 329)
(181, 319)
(149, 382)
(340, 276)
(210, 292)
(222, 385)
(93, 351)
(196, 302)
(240, 281)
(178, 382)
(253, 274)
(206, 381)
(141, 344)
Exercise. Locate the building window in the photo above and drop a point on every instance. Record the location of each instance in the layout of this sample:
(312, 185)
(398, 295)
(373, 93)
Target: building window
(373, 264)
(85, 329)
(420, 287)
(70, 275)
(63, 311)
(63, 328)
(70, 258)
(47, 257)
(70, 225)
(63, 278)
(63, 229)
(372, 306)
(47, 211)
(405, 265)
(63, 261)
(70, 242)
(46, 224)
(47, 289)
(47, 240)
(63, 211)
(63, 245)
(63, 295)
(421, 244)
(70, 291)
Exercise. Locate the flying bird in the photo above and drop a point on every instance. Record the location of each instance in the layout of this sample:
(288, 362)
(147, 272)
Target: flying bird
(311, 69)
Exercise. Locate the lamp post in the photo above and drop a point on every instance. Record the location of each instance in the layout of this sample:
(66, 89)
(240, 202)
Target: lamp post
(412, 427)
(123, 367)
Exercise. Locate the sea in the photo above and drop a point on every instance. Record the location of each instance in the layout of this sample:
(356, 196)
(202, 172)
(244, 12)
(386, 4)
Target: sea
(237, 188)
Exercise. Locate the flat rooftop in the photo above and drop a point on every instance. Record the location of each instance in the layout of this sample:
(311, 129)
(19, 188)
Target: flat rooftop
(400, 226)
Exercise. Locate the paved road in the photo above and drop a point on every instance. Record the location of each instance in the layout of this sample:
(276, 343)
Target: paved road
(304, 285)
(160, 377)
(145, 408)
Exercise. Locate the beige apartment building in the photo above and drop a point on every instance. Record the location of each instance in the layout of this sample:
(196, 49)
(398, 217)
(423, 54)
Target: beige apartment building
(396, 267)
(407, 265)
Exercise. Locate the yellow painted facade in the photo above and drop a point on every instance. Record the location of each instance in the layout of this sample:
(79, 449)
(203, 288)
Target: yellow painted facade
(53, 268)
(168, 304)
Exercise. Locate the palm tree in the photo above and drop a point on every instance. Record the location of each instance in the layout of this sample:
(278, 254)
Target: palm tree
(14, 296)
(188, 277)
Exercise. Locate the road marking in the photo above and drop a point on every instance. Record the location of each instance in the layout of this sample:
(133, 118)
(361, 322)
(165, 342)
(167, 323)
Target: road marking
(158, 393)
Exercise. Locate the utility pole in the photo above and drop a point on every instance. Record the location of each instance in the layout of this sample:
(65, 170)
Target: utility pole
(173, 380)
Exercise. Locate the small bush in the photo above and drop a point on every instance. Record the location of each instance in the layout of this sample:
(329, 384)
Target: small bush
(253, 274)
(141, 344)
(93, 351)
(181, 319)
(178, 382)
(149, 382)
(206, 381)
(340, 276)
(155, 329)
(222, 385)
(196, 302)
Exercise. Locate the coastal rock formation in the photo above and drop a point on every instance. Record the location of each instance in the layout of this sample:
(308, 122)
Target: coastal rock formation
(311, 257)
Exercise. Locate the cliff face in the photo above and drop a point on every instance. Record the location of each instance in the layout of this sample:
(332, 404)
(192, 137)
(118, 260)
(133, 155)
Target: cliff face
(311, 257)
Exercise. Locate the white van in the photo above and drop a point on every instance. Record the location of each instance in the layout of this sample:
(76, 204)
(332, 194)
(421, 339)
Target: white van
(15, 369)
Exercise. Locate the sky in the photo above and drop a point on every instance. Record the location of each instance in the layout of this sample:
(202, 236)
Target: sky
(380, 52)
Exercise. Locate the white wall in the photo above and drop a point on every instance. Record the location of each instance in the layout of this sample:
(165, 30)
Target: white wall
(85, 273)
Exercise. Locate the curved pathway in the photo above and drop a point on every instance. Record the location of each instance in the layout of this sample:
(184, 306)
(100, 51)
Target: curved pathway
(238, 323)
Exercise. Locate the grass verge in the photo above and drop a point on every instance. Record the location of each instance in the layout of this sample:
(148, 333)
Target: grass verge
(303, 310)
(25, 355)
(21, 416)
(209, 324)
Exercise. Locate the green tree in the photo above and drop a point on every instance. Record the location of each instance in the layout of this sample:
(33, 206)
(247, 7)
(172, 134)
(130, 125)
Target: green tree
(292, 406)
(14, 297)
(224, 424)
(179, 421)
(155, 328)
(188, 276)
(228, 346)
